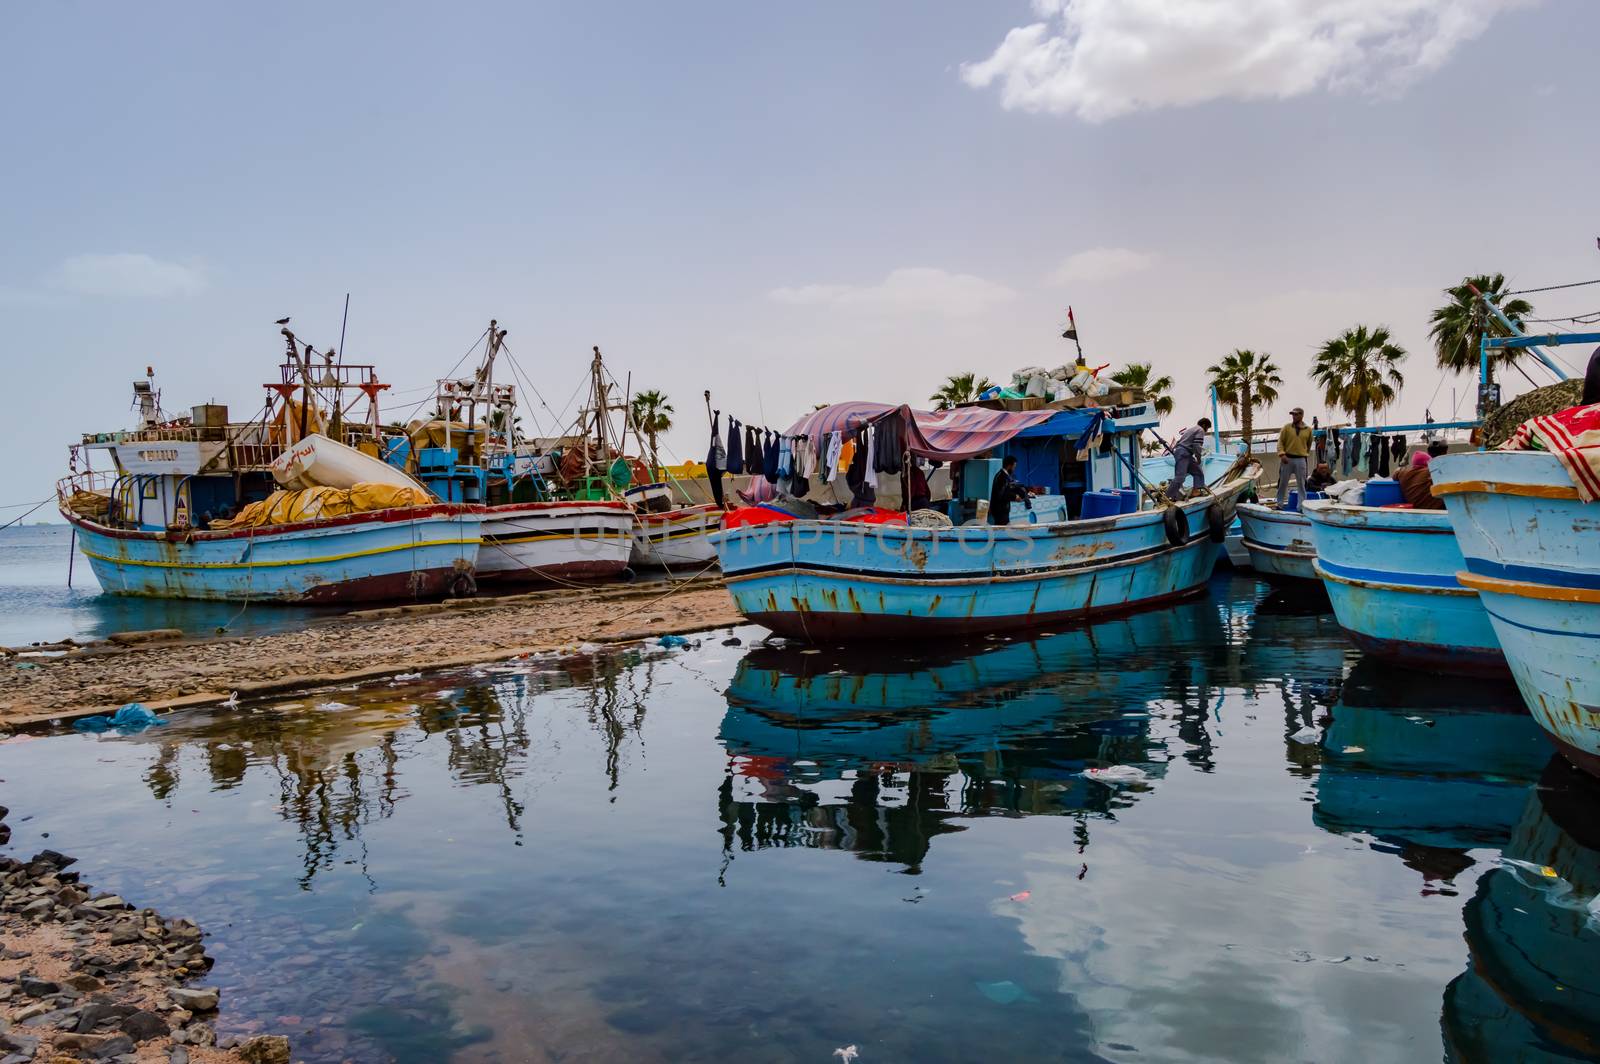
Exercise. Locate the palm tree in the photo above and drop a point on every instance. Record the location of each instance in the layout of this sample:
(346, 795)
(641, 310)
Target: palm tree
(959, 388)
(1137, 375)
(1359, 371)
(1460, 324)
(651, 414)
(1245, 380)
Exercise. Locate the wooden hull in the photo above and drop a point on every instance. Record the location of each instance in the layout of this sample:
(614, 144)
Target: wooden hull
(1391, 577)
(1532, 554)
(411, 553)
(675, 539)
(1279, 544)
(829, 581)
(543, 542)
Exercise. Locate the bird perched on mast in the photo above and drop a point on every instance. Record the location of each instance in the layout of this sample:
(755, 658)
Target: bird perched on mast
(281, 321)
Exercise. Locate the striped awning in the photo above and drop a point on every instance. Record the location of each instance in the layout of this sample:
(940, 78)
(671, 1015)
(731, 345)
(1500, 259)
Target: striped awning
(944, 435)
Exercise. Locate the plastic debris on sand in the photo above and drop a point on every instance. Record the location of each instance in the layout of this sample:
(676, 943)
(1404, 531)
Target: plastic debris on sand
(130, 718)
(672, 641)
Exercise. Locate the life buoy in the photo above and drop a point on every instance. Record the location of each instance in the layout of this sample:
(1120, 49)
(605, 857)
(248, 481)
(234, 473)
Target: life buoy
(1176, 525)
(1216, 524)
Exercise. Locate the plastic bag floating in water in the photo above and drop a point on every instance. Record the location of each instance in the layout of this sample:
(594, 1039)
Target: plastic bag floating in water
(1307, 735)
(1116, 775)
(129, 719)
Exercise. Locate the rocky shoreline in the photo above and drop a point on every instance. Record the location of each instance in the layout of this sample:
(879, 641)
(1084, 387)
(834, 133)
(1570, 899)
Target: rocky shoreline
(358, 646)
(84, 976)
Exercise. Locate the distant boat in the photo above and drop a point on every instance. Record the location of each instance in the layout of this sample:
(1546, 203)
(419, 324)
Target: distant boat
(1532, 554)
(832, 579)
(1391, 576)
(1278, 541)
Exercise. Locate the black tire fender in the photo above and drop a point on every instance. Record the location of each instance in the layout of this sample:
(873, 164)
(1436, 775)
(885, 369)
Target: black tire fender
(1177, 528)
(1216, 524)
(463, 585)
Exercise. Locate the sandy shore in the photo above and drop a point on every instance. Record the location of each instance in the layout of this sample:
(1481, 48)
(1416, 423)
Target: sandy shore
(356, 646)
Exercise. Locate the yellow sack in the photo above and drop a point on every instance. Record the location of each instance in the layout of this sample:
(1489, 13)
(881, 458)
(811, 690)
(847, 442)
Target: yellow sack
(321, 503)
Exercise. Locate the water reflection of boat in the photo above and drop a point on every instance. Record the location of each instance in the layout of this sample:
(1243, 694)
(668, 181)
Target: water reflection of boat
(1018, 723)
(1279, 541)
(1436, 766)
(1531, 990)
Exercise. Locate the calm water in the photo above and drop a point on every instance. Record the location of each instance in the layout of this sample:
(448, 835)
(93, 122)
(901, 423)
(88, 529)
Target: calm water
(39, 607)
(738, 853)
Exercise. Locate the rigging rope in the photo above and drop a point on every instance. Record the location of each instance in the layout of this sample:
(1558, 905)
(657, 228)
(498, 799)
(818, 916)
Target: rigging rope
(1551, 288)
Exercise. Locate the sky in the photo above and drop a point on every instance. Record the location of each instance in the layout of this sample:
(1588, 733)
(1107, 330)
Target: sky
(783, 204)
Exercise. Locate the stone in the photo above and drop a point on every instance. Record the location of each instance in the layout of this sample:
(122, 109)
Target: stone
(38, 909)
(124, 934)
(198, 1034)
(83, 981)
(143, 1026)
(94, 1046)
(178, 1055)
(34, 987)
(97, 1013)
(36, 1009)
(110, 901)
(195, 998)
(265, 1049)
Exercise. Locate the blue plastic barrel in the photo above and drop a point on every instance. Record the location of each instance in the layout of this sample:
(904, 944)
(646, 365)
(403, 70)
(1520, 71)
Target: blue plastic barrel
(1383, 491)
(1101, 503)
(1130, 499)
(1293, 503)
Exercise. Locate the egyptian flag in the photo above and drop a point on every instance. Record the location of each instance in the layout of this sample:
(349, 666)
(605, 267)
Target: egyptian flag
(1072, 327)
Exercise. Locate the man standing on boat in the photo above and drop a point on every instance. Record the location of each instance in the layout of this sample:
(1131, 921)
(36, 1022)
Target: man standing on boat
(1005, 490)
(1294, 449)
(1187, 458)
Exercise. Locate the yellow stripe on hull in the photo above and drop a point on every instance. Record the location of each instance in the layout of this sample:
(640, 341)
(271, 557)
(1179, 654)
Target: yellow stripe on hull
(154, 564)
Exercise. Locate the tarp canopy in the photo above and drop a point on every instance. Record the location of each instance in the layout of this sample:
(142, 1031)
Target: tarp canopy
(948, 435)
(320, 503)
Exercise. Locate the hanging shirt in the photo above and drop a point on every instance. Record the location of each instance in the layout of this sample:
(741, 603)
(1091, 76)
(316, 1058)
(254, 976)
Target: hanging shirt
(769, 458)
(872, 443)
(735, 448)
(847, 454)
(785, 457)
(831, 459)
(714, 459)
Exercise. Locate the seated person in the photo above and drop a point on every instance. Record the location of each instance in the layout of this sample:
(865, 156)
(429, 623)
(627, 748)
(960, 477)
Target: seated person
(1320, 478)
(1416, 484)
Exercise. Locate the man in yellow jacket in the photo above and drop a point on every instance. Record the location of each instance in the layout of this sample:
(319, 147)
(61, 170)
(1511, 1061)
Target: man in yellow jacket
(1294, 450)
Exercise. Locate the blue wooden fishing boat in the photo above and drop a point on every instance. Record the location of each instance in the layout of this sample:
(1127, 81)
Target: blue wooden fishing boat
(1278, 541)
(279, 509)
(1532, 555)
(1073, 556)
(1391, 576)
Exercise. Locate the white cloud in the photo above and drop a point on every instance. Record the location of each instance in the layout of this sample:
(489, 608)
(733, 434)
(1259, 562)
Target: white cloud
(127, 274)
(915, 289)
(1101, 264)
(1100, 59)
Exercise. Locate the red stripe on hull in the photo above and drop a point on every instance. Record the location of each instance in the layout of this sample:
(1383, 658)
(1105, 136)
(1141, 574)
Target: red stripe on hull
(1430, 658)
(545, 574)
(860, 627)
(389, 587)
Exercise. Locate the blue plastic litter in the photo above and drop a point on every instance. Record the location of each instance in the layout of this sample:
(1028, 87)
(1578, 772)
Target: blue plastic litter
(130, 718)
(673, 641)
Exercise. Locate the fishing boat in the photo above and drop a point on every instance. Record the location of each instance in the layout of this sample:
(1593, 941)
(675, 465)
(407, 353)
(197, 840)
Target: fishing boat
(1391, 577)
(1158, 469)
(669, 533)
(1074, 554)
(198, 507)
(1529, 546)
(1278, 541)
(551, 508)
